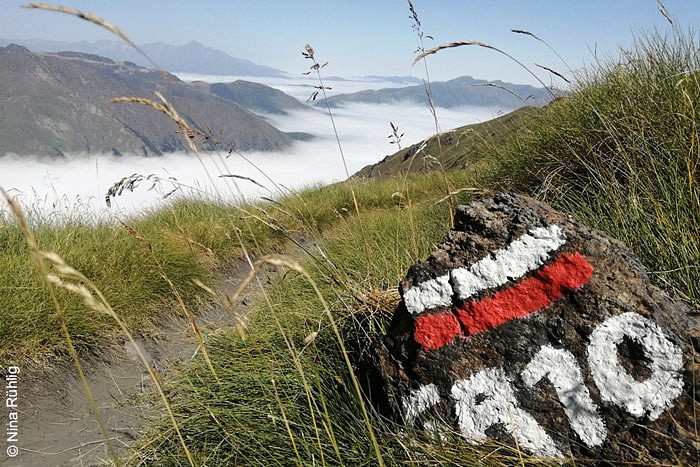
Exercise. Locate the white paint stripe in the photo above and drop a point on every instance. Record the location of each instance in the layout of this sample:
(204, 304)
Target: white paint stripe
(560, 367)
(526, 254)
(497, 405)
(429, 294)
(419, 401)
(651, 396)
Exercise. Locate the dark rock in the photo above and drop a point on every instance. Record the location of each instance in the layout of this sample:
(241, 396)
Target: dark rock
(530, 328)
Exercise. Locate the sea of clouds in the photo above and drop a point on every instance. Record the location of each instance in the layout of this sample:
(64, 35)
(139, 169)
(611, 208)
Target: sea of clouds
(77, 184)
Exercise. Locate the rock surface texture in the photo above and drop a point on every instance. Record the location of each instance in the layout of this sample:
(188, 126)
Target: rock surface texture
(531, 329)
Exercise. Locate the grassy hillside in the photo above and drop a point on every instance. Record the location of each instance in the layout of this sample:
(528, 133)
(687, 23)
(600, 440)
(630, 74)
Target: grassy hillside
(454, 149)
(621, 152)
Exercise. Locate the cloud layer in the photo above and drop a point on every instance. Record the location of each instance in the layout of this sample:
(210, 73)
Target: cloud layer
(77, 184)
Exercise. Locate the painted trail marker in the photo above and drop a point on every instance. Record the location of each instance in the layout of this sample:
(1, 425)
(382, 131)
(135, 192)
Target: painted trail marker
(527, 327)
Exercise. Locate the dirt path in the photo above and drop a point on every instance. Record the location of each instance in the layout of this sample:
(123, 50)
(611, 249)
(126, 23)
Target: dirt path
(56, 425)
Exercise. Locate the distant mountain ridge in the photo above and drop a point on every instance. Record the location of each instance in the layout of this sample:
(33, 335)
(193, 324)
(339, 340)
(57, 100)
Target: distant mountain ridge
(405, 80)
(53, 104)
(192, 57)
(458, 92)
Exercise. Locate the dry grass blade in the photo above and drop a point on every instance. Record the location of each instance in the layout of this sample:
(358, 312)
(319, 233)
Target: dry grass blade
(93, 19)
(664, 12)
(166, 108)
(451, 45)
(204, 287)
(241, 177)
(484, 45)
(554, 72)
(527, 33)
(163, 107)
(493, 85)
(537, 38)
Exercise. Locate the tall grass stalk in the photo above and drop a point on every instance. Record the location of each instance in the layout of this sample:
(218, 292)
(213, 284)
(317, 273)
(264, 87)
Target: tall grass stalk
(553, 50)
(452, 45)
(416, 26)
(316, 67)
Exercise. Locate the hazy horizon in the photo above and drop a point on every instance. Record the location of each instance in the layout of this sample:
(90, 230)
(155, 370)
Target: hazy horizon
(374, 38)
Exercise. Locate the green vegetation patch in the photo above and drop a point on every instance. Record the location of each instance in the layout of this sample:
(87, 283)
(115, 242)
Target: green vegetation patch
(621, 153)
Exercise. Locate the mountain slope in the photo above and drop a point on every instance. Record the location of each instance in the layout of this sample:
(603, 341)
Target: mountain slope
(51, 104)
(459, 92)
(257, 97)
(461, 147)
(192, 57)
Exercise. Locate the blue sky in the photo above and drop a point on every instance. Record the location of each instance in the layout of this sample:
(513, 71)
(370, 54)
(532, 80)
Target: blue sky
(370, 37)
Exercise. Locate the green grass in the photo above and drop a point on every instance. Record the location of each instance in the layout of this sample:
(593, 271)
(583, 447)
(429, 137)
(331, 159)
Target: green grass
(620, 152)
(115, 261)
(190, 240)
(286, 400)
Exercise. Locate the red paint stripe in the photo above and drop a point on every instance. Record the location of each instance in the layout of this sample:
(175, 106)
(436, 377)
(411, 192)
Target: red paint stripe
(568, 273)
(435, 331)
